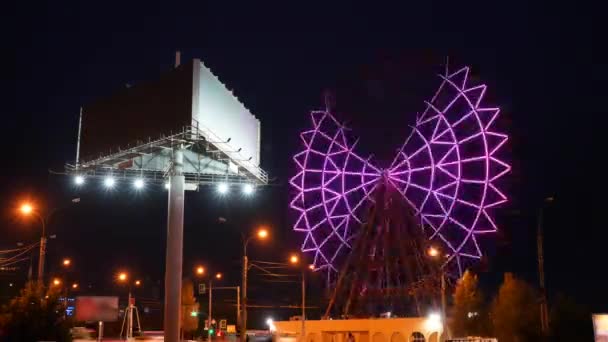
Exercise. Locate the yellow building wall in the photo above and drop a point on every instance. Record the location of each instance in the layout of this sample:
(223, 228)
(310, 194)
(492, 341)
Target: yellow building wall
(363, 330)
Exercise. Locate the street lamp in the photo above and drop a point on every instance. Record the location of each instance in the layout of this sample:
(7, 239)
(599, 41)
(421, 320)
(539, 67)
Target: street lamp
(435, 253)
(74, 286)
(123, 277)
(294, 259)
(28, 209)
(56, 282)
(261, 234)
(200, 270)
(66, 262)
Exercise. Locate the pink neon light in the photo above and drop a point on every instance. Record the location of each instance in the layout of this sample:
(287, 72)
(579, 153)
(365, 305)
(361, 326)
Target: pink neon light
(446, 170)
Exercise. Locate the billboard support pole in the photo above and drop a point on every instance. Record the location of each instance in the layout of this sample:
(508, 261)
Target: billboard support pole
(174, 256)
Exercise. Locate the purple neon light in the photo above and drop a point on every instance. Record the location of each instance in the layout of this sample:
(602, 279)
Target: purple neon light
(446, 170)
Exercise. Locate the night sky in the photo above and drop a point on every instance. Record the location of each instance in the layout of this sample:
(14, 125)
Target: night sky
(380, 63)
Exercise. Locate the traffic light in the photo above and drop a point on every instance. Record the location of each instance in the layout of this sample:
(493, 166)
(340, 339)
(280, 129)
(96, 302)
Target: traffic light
(211, 332)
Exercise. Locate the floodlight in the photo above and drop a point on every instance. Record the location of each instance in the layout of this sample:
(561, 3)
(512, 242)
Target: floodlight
(109, 182)
(79, 180)
(138, 183)
(247, 189)
(222, 188)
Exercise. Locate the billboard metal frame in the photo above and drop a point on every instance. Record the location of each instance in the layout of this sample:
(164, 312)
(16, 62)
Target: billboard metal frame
(191, 137)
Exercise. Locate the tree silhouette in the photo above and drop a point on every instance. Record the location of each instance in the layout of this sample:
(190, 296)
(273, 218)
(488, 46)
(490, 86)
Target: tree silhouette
(469, 317)
(34, 315)
(515, 313)
(189, 322)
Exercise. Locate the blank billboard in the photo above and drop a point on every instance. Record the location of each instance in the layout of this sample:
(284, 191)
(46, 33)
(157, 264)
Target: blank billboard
(218, 110)
(189, 95)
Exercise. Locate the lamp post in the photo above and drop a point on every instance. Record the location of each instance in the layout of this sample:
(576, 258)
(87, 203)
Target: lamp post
(435, 253)
(123, 277)
(27, 209)
(261, 234)
(200, 272)
(295, 260)
(218, 276)
(66, 263)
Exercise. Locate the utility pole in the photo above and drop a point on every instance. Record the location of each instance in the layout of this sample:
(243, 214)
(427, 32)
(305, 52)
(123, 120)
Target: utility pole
(42, 255)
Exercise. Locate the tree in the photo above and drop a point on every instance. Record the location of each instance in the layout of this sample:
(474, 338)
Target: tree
(34, 315)
(468, 315)
(515, 312)
(189, 322)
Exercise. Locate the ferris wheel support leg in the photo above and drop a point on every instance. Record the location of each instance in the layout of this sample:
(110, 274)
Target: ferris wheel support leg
(174, 256)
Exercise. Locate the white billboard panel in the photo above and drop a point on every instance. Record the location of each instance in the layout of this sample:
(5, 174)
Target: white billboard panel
(216, 109)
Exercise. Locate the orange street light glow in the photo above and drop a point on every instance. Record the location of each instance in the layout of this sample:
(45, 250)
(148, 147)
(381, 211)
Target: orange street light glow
(218, 276)
(74, 286)
(262, 233)
(26, 208)
(137, 282)
(200, 270)
(67, 262)
(311, 267)
(294, 259)
(56, 282)
(433, 252)
(122, 276)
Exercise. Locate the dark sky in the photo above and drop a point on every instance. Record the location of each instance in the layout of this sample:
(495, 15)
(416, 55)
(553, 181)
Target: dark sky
(536, 58)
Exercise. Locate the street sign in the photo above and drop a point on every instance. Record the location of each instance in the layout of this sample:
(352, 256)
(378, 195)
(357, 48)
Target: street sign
(223, 324)
(202, 288)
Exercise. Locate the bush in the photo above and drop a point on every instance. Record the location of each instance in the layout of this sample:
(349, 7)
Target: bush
(34, 315)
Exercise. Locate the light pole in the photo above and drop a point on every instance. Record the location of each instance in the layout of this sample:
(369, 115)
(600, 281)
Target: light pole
(295, 260)
(261, 234)
(544, 310)
(200, 272)
(123, 277)
(218, 276)
(27, 209)
(435, 253)
(66, 263)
